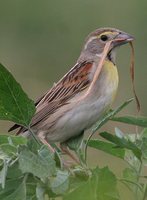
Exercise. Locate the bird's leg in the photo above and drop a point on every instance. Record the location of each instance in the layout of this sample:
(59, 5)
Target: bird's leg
(42, 138)
(77, 145)
(65, 150)
(44, 141)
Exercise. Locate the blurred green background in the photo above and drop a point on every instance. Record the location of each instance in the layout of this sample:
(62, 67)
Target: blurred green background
(40, 40)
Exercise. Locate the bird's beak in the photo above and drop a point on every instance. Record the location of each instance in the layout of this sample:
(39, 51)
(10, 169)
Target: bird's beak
(122, 38)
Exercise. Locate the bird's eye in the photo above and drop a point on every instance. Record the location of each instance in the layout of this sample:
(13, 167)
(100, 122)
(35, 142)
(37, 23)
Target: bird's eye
(104, 38)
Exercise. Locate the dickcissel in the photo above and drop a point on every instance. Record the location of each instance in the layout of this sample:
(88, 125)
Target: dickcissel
(64, 111)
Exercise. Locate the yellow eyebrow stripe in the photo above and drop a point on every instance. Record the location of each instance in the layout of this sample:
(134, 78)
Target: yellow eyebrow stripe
(107, 33)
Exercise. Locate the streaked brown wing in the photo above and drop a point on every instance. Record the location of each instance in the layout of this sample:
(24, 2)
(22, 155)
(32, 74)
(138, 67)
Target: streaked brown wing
(72, 83)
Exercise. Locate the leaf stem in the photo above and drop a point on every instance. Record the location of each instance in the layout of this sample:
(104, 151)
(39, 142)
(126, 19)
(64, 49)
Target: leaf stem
(138, 176)
(145, 193)
(132, 182)
(34, 136)
(102, 121)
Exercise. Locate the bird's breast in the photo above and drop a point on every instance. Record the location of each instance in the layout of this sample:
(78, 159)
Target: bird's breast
(109, 80)
(106, 84)
(84, 112)
(103, 92)
(89, 109)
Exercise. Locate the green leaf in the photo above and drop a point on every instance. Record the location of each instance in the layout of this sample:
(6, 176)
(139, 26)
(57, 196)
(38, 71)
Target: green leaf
(17, 140)
(31, 184)
(122, 143)
(107, 147)
(145, 192)
(130, 178)
(14, 103)
(14, 171)
(4, 139)
(144, 133)
(9, 144)
(138, 121)
(106, 188)
(119, 133)
(18, 192)
(105, 119)
(130, 175)
(131, 160)
(41, 165)
(101, 186)
(144, 147)
(8, 150)
(12, 140)
(40, 191)
(3, 174)
(11, 186)
(60, 184)
(75, 143)
(86, 191)
(110, 115)
(78, 177)
(33, 145)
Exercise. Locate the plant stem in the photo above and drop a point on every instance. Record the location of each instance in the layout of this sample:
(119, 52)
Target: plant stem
(34, 136)
(136, 184)
(145, 193)
(138, 176)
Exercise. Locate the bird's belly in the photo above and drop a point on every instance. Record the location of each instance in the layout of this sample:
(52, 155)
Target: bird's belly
(79, 119)
(87, 111)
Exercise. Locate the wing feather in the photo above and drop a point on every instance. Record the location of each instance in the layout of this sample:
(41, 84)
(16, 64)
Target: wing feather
(72, 83)
(69, 83)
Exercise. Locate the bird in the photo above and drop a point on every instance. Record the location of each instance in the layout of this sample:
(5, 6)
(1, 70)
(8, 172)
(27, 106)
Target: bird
(65, 111)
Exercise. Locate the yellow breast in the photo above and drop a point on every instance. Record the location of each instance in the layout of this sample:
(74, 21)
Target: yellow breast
(111, 78)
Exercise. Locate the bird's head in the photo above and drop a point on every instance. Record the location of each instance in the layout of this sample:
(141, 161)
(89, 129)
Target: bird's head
(97, 40)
